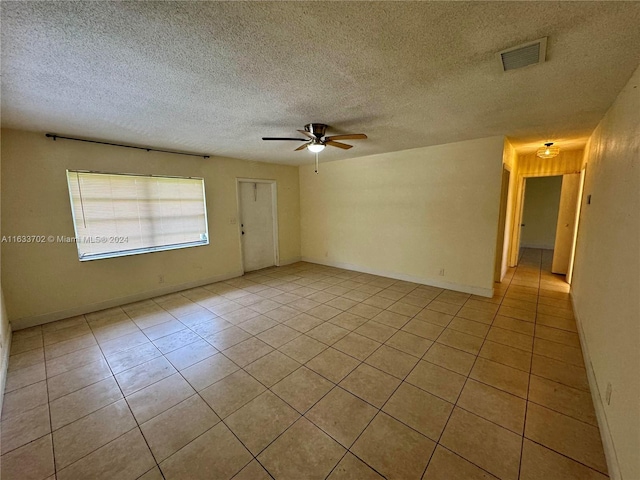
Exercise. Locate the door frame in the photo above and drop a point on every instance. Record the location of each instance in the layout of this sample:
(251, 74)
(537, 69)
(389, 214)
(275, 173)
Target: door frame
(514, 248)
(514, 253)
(572, 258)
(503, 221)
(274, 210)
(523, 200)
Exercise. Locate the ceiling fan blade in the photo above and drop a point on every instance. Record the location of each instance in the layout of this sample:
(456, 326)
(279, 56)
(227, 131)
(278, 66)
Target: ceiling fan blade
(344, 146)
(302, 147)
(348, 136)
(308, 134)
(285, 138)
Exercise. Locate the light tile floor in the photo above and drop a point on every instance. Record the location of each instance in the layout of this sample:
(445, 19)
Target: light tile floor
(308, 372)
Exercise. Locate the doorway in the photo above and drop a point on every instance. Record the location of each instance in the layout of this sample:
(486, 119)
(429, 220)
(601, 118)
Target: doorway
(549, 217)
(258, 223)
(540, 212)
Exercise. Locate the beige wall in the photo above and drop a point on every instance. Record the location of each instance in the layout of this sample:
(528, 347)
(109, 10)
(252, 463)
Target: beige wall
(408, 214)
(5, 342)
(606, 279)
(5, 330)
(540, 212)
(44, 281)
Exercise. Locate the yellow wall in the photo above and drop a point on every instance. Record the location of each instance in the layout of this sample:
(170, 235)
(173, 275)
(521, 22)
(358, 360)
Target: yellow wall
(540, 212)
(408, 214)
(606, 278)
(568, 161)
(46, 281)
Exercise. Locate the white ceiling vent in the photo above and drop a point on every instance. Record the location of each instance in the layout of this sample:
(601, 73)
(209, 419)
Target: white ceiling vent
(529, 53)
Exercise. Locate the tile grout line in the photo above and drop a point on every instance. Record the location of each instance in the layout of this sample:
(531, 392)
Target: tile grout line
(130, 411)
(347, 450)
(53, 447)
(526, 406)
(455, 405)
(278, 323)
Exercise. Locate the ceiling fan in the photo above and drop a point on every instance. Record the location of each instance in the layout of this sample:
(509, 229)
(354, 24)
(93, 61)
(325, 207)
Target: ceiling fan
(316, 140)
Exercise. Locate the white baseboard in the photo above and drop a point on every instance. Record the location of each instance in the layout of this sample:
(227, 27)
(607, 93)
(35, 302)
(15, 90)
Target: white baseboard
(27, 322)
(483, 292)
(605, 433)
(4, 365)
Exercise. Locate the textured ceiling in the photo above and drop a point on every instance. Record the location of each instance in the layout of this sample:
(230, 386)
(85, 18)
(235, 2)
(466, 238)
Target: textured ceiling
(214, 77)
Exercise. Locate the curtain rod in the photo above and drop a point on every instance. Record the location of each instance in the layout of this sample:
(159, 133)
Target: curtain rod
(148, 149)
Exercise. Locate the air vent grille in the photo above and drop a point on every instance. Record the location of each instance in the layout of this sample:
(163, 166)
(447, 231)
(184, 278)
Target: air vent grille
(523, 55)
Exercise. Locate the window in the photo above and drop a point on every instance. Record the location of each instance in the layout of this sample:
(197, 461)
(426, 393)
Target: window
(117, 214)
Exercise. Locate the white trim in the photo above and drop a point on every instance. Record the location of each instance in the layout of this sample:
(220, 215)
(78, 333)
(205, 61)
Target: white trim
(274, 210)
(4, 362)
(483, 292)
(601, 414)
(27, 322)
(576, 227)
(274, 213)
(238, 227)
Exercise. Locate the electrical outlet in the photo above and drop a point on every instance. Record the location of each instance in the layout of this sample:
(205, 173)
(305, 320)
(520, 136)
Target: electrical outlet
(160, 278)
(442, 272)
(608, 393)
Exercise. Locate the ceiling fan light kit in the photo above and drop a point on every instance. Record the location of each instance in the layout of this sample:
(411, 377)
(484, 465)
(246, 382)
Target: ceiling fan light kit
(548, 151)
(315, 147)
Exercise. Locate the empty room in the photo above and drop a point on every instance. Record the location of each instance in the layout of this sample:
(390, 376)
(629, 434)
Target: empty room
(320, 240)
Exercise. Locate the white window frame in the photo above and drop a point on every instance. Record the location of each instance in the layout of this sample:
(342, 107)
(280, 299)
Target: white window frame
(141, 250)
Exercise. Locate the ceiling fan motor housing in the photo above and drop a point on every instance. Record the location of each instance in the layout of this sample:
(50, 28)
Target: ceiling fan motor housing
(317, 129)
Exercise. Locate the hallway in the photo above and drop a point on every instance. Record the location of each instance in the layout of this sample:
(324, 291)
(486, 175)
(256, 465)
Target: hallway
(305, 372)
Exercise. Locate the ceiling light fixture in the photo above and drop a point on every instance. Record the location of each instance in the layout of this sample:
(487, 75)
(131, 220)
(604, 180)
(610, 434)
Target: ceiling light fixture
(315, 147)
(548, 151)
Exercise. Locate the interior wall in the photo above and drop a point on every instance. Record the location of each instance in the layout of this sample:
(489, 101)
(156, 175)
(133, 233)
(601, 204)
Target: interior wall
(45, 281)
(408, 214)
(5, 329)
(540, 212)
(606, 278)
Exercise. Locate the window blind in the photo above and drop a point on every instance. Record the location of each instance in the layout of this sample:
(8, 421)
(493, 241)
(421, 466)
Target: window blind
(122, 214)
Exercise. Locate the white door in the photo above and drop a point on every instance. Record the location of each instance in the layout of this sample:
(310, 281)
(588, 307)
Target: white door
(256, 225)
(567, 218)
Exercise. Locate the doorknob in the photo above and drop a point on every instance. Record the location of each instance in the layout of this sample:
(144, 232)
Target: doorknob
(522, 224)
